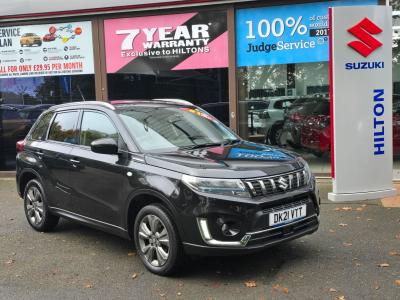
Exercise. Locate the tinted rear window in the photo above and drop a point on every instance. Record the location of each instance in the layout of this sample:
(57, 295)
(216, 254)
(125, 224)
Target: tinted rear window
(63, 128)
(40, 130)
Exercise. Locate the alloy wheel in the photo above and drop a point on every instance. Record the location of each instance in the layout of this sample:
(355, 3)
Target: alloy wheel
(34, 205)
(154, 240)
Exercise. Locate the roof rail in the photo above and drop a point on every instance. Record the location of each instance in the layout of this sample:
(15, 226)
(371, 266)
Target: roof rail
(102, 103)
(178, 101)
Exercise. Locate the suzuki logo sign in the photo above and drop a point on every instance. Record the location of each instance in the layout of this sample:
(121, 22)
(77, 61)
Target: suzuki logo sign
(283, 183)
(364, 31)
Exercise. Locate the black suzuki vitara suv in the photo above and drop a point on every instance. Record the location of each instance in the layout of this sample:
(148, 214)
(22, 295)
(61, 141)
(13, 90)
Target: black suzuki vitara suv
(166, 174)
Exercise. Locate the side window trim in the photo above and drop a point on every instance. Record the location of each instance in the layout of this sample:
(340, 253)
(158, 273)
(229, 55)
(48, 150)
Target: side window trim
(52, 121)
(79, 127)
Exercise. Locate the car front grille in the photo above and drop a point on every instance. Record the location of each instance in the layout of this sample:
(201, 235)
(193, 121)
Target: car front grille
(276, 184)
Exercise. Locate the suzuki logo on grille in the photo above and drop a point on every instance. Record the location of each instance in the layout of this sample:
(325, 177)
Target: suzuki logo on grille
(364, 31)
(283, 184)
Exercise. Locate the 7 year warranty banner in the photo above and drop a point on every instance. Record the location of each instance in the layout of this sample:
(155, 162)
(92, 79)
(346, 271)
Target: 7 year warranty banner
(46, 50)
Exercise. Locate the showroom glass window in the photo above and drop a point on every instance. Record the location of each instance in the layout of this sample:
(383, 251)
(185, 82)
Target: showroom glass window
(41, 65)
(180, 56)
(283, 77)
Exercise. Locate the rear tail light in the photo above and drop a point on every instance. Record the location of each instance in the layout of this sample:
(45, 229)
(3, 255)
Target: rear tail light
(20, 146)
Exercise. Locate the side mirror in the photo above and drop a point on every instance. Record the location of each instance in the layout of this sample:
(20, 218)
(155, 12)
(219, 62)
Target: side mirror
(104, 146)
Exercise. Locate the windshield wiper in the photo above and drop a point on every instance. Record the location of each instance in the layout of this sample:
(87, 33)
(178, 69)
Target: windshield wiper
(191, 147)
(223, 143)
(231, 142)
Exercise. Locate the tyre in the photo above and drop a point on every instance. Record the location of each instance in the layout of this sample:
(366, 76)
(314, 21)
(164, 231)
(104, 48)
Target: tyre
(275, 135)
(36, 210)
(157, 241)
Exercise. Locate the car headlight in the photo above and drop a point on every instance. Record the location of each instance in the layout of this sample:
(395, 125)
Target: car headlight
(306, 167)
(228, 187)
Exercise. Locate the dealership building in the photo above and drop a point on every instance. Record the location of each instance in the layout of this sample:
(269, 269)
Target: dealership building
(261, 67)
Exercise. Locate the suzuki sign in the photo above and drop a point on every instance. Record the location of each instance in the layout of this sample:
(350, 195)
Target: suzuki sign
(361, 102)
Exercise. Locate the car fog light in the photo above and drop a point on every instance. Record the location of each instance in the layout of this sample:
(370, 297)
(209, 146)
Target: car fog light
(228, 228)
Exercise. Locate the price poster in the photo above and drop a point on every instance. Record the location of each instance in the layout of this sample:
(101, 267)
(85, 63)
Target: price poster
(285, 34)
(46, 50)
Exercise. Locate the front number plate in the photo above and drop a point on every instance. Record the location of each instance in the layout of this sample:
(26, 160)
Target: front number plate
(287, 215)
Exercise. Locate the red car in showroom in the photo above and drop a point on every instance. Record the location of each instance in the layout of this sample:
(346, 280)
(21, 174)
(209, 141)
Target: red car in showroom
(315, 131)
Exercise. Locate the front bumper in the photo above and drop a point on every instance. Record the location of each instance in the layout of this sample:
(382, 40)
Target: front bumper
(259, 240)
(252, 221)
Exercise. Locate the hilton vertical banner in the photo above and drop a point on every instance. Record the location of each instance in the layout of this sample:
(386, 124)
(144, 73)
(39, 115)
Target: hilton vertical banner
(361, 102)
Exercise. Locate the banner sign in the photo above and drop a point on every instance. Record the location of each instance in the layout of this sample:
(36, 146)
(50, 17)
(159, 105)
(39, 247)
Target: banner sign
(148, 45)
(285, 34)
(361, 103)
(46, 50)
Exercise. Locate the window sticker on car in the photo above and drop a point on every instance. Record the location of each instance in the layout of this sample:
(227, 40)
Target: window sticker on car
(198, 113)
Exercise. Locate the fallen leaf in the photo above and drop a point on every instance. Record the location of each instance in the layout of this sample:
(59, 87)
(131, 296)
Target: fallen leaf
(162, 295)
(346, 208)
(397, 282)
(357, 264)
(340, 298)
(131, 253)
(376, 286)
(180, 284)
(332, 231)
(134, 275)
(342, 224)
(394, 253)
(383, 265)
(89, 286)
(359, 208)
(337, 209)
(250, 284)
(332, 290)
(179, 294)
(280, 288)
(347, 244)
(10, 262)
(364, 205)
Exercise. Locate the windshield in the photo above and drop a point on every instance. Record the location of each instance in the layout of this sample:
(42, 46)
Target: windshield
(168, 128)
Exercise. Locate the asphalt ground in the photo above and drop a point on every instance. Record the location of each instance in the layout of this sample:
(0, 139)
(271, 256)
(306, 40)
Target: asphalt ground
(354, 255)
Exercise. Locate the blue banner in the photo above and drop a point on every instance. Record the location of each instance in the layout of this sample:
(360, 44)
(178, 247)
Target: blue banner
(285, 34)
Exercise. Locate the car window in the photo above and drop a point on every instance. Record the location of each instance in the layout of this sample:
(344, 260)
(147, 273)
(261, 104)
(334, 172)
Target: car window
(281, 104)
(322, 109)
(63, 128)
(96, 126)
(40, 130)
